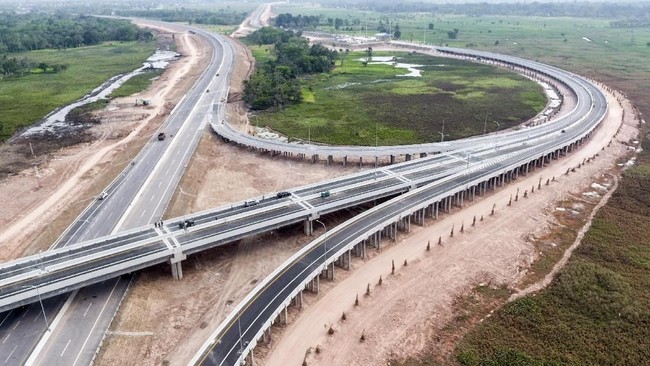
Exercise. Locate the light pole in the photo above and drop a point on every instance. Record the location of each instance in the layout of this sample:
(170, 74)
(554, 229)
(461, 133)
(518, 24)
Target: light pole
(40, 259)
(308, 133)
(324, 227)
(485, 124)
(241, 345)
(47, 325)
(442, 134)
(496, 137)
(467, 171)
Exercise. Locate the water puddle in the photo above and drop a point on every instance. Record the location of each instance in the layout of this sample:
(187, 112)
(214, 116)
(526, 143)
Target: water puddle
(393, 61)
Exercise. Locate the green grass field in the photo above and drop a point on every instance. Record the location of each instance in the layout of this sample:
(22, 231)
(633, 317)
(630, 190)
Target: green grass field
(596, 311)
(589, 47)
(136, 84)
(27, 99)
(359, 105)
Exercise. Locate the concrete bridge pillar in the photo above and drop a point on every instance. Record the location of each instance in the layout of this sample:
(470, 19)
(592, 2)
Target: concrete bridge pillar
(408, 157)
(392, 159)
(284, 316)
(297, 300)
(308, 227)
(175, 261)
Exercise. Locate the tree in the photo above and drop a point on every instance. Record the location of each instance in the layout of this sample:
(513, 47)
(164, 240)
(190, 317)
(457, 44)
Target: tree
(338, 23)
(397, 34)
(453, 34)
(430, 26)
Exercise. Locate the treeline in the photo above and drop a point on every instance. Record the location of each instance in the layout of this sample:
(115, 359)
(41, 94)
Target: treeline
(275, 83)
(560, 9)
(28, 32)
(631, 23)
(12, 66)
(220, 17)
(287, 20)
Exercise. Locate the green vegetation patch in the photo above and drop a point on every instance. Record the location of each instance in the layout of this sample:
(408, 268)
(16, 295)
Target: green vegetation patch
(596, 311)
(27, 99)
(137, 83)
(376, 104)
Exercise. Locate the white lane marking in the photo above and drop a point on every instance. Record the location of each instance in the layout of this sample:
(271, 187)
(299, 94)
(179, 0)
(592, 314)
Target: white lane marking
(142, 213)
(88, 308)
(7, 337)
(15, 325)
(83, 346)
(152, 197)
(24, 313)
(159, 183)
(65, 348)
(6, 317)
(12, 352)
(46, 336)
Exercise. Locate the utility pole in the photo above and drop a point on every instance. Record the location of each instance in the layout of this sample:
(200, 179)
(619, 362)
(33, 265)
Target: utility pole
(485, 124)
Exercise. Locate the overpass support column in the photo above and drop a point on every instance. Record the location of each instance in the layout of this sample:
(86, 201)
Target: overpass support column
(314, 158)
(360, 161)
(175, 261)
(408, 157)
(423, 155)
(329, 271)
(309, 227)
(392, 159)
(297, 301)
(345, 160)
(376, 161)
(283, 316)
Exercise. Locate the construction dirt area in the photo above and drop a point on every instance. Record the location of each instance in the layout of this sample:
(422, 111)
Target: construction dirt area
(163, 321)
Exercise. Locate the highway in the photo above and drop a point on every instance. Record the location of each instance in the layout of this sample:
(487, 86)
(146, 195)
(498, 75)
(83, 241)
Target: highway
(78, 265)
(95, 261)
(136, 197)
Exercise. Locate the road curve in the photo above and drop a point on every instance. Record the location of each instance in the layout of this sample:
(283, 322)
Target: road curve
(239, 333)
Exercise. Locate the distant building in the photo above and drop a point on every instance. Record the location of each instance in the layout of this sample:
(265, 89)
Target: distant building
(382, 36)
